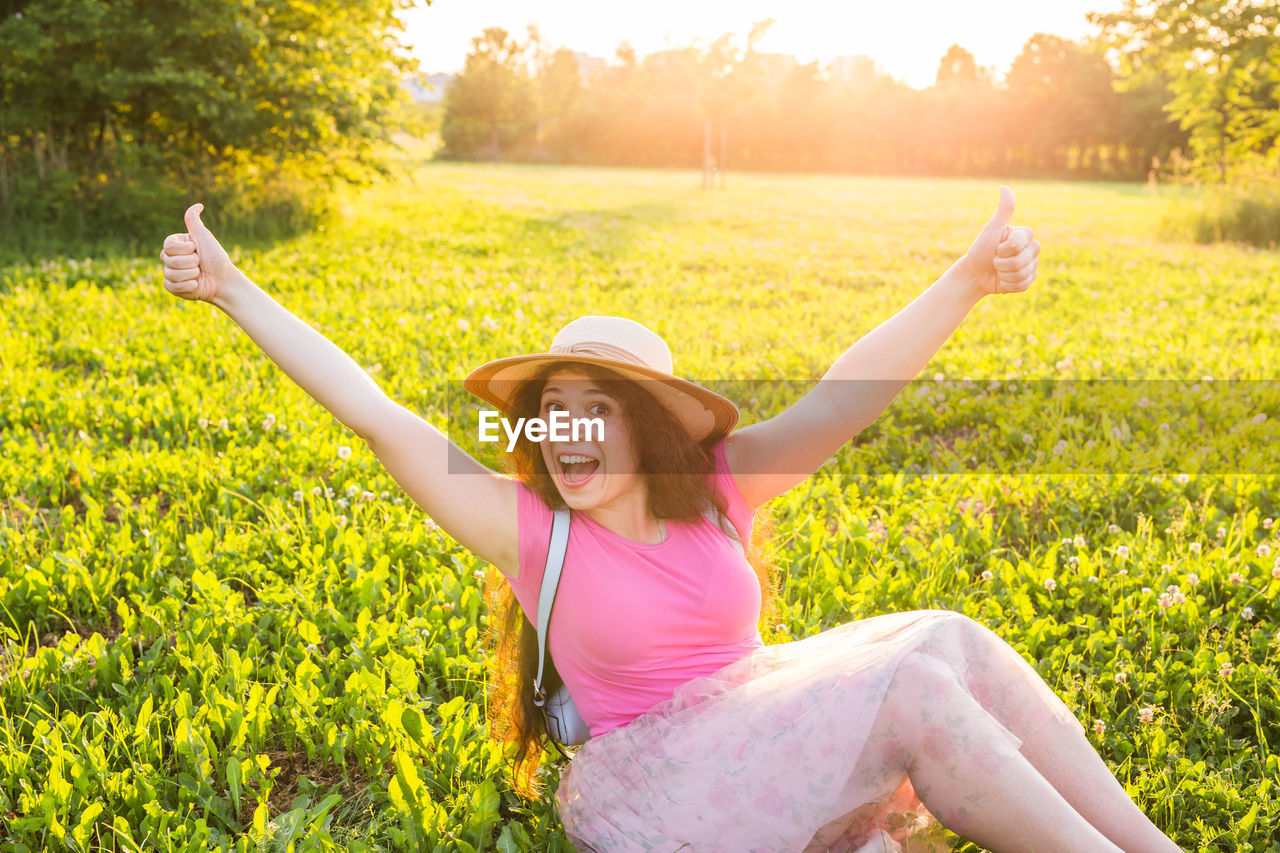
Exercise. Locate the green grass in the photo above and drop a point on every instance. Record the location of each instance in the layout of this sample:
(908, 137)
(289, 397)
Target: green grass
(211, 638)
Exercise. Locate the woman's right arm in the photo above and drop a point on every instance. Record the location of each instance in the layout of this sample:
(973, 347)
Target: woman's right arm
(473, 504)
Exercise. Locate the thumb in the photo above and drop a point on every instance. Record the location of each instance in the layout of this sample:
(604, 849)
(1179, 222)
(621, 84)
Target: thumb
(192, 217)
(1004, 212)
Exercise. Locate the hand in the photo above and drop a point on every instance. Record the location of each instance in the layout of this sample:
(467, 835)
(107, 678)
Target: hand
(1003, 259)
(195, 266)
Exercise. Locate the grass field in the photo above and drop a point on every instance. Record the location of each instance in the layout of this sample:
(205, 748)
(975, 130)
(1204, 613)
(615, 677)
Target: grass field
(222, 630)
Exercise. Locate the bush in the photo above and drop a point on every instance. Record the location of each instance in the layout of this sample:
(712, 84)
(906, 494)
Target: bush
(1246, 214)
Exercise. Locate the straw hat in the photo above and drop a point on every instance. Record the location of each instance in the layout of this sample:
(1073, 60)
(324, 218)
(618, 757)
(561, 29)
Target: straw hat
(621, 345)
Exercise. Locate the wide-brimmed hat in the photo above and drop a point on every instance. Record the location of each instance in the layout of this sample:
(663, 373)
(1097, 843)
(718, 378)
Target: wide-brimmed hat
(623, 346)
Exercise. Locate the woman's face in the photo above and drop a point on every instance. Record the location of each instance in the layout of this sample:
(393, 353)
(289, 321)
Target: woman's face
(601, 465)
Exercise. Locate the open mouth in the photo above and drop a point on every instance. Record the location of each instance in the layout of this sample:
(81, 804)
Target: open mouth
(576, 469)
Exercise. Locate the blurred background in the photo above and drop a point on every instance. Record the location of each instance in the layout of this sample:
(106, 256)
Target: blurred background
(113, 115)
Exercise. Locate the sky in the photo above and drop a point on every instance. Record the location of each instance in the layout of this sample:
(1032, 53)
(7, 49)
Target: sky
(906, 38)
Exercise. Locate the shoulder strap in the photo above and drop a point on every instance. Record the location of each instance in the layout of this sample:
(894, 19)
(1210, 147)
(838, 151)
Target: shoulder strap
(547, 594)
(727, 528)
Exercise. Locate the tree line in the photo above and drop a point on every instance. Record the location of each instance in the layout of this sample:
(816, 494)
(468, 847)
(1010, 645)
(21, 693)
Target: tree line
(1118, 106)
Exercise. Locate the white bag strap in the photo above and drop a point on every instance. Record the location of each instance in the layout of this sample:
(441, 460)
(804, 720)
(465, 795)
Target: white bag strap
(547, 594)
(551, 581)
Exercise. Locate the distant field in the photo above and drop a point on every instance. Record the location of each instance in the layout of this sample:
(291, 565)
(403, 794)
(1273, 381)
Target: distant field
(219, 632)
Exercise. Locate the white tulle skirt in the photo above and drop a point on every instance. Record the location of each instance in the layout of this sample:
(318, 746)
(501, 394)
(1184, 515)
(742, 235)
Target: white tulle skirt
(778, 751)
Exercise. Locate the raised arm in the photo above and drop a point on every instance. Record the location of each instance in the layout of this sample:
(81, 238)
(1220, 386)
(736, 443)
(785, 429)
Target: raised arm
(473, 504)
(770, 457)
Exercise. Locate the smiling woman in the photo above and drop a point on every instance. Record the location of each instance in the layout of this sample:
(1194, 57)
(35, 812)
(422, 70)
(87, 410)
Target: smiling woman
(557, 426)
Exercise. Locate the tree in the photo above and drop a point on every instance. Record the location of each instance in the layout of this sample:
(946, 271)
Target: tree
(1219, 60)
(491, 102)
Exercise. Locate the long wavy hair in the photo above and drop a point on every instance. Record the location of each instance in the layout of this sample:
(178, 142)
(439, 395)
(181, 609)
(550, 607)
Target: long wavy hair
(667, 456)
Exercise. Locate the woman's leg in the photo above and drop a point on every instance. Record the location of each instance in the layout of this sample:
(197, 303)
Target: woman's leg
(966, 771)
(1059, 751)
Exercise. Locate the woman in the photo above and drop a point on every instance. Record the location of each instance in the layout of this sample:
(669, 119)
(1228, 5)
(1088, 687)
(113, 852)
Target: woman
(702, 737)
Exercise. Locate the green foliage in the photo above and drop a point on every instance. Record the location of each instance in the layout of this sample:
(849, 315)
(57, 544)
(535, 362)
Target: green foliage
(1222, 64)
(213, 623)
(115, 114)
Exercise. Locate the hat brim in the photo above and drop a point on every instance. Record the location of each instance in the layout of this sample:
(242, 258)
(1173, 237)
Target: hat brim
(704, 413)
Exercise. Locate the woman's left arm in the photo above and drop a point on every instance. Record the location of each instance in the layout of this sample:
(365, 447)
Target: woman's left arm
(772, 456)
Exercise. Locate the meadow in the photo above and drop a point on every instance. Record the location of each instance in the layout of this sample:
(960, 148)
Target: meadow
(224, 626)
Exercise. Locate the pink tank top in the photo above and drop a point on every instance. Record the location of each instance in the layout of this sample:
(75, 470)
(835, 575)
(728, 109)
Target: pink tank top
(634, 621)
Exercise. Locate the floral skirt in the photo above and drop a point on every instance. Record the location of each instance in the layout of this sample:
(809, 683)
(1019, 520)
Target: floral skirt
(780, 751)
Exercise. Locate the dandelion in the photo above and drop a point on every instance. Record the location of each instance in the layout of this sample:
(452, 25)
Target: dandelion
(1099, 727)
(1078, 541)
(1226, 669)
(987, 574)
(1194, 547)
(344, 452)
(1050, 584)
(1246, 613)
(1122, 551)
(1182, 479)
(1146, 714)
(1235, 579)
(1264, 550)
(204, 423)
(1122, 677)
(1193, 579)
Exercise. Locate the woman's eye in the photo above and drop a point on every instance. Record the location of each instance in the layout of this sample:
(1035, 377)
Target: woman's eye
(547, 407)
(600, 408)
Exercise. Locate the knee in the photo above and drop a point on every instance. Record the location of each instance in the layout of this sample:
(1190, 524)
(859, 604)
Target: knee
(920, 686)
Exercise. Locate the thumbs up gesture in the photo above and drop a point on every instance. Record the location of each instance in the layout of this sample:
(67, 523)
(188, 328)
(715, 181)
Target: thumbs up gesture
(195, 264)
(1003, 259)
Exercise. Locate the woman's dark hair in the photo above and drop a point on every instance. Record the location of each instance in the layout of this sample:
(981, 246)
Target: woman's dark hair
(678, 471)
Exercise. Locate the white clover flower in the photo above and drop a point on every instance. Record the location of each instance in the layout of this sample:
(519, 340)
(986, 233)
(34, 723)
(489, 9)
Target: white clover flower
(1193, 579)
(1147, 714)
(1078, 541)
(1165, 568)
(1182, 479)
(1066, 540)
(398, 501)
(1099, 727)
(1050, 584)
(1275, 570)
(1113, 528)
(1123, 572)
(1246, 613)
(1060, 448)
(1260, 418)
(1073, 561)
(464, 324)
(367, 495)
(311, 647)
(1093, 578)
(344, 452)
(1026, 438)
(1264, 550)
(341, 521)
(1268, 523)
(1122, 550)
(430, 525)
(1163, 427)
(222, 423)
(1222, 532)
(1194, 547)
(987, 574)
(478, 574)
(489, 324)
(203, 422)
(1165, 601)
(1226, 669)
(384, 496)
(268, 422)
(1235, 579)
(1122, 677)
(297, 496)
(315, 490)
(352, 490)
(1146, 590)
(342, 503)
(1117, 433)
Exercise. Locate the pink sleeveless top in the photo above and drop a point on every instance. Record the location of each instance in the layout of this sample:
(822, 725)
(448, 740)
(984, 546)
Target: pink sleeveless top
(634, 621)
